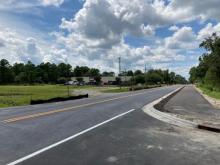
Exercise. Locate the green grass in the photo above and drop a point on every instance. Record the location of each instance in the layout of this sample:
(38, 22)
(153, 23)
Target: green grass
(116, 90)
(211, 93)
(17, 95)
(21, 95)
(126, 89)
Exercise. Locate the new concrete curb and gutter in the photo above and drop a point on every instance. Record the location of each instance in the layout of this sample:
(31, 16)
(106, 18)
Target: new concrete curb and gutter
(171, 118)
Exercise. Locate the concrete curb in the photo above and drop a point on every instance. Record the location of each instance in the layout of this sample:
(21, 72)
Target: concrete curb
(166, 117)
(171, 118)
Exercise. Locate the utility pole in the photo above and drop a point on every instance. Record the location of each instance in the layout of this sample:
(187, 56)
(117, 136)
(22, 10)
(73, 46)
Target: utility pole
(119, 68)
(145, 75)
(125, 75)
(68, 85)
(68, 89)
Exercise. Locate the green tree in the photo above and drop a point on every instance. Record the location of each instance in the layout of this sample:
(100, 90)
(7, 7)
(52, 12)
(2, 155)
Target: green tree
(79, 79)
(138, 72)
(64, 70)
(130, 73)
(81, 71)
(93, 72)
(6, 73)
(140, 79)
(18, 68)
(108, 74)
(30, 73)
(193, 75)
(212, 78)
(153, 78)
(208, 70)
(98, 79)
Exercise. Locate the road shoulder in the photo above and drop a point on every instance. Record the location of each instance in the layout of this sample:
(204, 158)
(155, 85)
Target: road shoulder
(190, 105)
(215, 102)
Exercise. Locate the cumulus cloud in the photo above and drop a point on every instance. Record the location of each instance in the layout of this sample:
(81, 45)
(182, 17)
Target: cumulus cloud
(183, 38)
(16, 48)
(195, 9)
(104, 23)
(98, 30)
(96, 34)
(208, 30)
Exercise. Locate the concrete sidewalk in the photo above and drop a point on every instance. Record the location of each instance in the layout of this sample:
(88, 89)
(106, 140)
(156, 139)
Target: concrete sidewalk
(190, 105)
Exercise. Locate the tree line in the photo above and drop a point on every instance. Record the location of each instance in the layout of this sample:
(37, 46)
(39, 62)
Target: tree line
(50, 73)
(30, 73)
(207, 72)
(155, 76)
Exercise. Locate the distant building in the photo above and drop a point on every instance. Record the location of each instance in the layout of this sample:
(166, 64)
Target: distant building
(108, 80)
(104, 80)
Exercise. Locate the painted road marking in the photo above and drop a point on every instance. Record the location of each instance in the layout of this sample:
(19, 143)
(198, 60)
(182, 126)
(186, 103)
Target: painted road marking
(67, 139)
(35, 115)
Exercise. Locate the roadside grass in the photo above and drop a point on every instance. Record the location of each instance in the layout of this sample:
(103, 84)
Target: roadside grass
(11, 95)
(127, 89)
(211, 93)
(17, 95)
(116, 90)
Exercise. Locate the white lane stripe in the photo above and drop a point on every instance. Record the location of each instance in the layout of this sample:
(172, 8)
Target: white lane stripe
(67, 139)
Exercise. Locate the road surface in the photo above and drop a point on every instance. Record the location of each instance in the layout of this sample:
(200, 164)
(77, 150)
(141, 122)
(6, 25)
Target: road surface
(190, 104)
(102, 130)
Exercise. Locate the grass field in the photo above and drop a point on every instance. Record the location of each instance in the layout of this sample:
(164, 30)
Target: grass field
(17, 95)
(211, 93)
(21, 95)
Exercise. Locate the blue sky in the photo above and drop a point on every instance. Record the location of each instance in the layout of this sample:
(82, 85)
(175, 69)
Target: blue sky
(157, 33)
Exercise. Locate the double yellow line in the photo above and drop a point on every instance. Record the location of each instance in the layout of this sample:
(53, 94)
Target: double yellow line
(35, 115)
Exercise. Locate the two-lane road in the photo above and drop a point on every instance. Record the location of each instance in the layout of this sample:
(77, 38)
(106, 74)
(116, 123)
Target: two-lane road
(29, 134)
(101, 130)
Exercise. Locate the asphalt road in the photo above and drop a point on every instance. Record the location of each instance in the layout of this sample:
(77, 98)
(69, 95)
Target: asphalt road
(189, 102)
(133, 138)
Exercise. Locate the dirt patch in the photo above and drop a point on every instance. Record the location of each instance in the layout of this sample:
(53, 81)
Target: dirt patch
(203, 139)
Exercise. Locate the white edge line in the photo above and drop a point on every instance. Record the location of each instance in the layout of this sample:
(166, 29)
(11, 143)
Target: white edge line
(67, 139)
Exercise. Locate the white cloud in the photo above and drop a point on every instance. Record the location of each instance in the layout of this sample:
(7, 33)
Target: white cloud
(17, 48)
(24, 5)
(208, 30)
(98, 30)
(183, 38)
(95, 36)
(56, 55)
(195, 9)
(104, 23)
(56, 3)
(174, 28)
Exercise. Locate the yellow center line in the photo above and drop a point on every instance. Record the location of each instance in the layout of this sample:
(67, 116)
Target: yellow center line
(35, 115)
